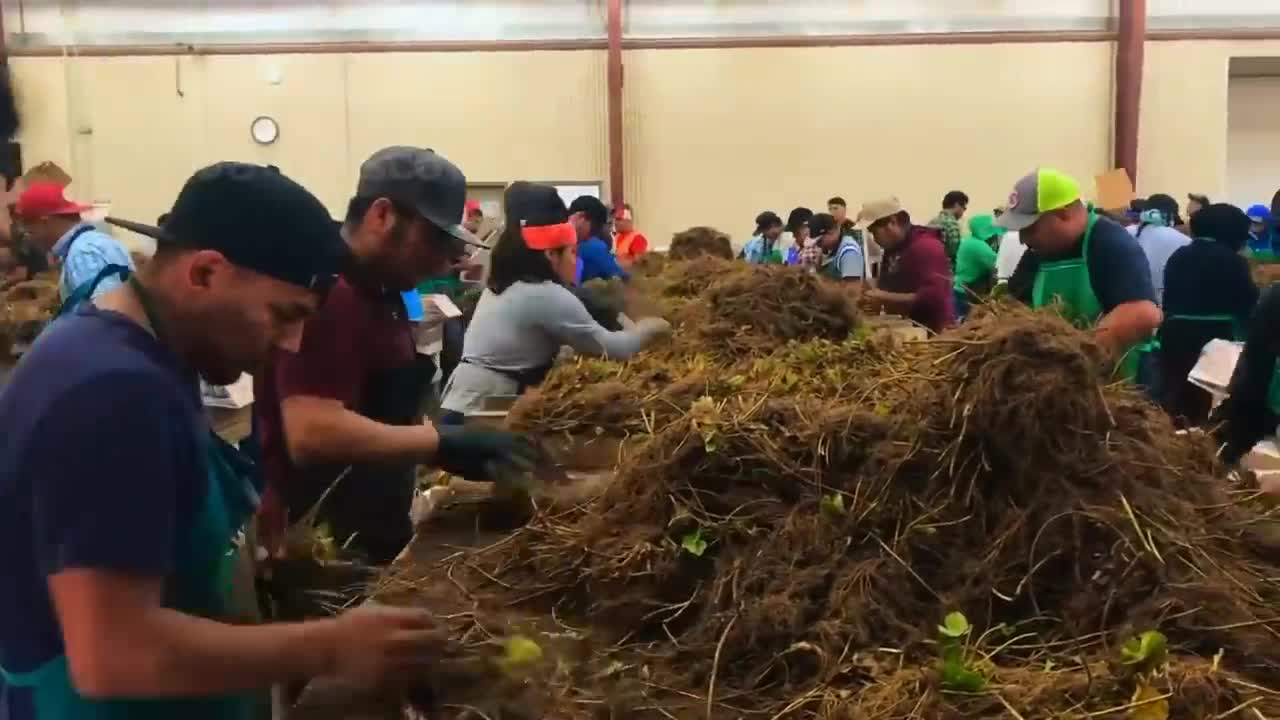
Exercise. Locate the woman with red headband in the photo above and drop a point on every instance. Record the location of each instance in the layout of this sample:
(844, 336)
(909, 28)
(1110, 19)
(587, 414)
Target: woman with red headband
(527, 312)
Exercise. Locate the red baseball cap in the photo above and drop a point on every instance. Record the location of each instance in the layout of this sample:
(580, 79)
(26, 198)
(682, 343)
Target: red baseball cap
(471, 207)
(46, 199)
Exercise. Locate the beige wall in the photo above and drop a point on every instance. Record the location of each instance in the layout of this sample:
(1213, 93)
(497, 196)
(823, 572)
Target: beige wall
(712, 136)
(130, 130)
(1182, 145)
(716, 136)
(1253, 140)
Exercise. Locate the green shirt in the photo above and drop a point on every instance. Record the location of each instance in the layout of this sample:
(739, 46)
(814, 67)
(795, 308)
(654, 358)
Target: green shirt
(975, 264)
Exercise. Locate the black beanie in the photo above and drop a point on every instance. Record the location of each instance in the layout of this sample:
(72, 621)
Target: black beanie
(1222, 223)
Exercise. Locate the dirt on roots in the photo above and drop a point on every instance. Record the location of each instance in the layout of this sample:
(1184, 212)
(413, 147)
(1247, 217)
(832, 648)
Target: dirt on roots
(698, 241)
(803, 512)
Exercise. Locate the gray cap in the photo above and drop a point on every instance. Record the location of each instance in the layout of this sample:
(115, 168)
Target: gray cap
(1041, 191)
(423, 180)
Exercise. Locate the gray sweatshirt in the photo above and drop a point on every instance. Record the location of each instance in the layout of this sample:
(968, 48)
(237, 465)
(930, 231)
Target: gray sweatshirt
(524, 328)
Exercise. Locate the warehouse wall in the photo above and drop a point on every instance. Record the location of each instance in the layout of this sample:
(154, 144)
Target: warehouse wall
(1182, 144)
(716, 136)
(712, 136)
(1253, 140)
(131, 129)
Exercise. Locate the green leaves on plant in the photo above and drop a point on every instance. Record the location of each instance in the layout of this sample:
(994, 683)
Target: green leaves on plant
(693, 543)
(956, 676)
(1145, 652)
(520, 653)
(832, 505)
(955, 626)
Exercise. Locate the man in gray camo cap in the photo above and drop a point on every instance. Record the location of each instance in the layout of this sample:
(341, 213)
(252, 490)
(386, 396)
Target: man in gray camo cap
(344, 411)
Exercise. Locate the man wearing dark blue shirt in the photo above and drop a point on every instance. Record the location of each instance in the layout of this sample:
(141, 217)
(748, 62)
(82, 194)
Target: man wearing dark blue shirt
(1087, 263)
(120, 511)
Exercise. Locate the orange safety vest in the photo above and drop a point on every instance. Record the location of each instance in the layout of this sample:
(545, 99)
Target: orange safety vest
(623, 241)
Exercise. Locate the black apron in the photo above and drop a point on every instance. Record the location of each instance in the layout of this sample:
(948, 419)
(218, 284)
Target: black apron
(370, 505)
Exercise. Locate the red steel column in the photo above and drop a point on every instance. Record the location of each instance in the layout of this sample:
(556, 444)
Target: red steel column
(1130, 41)
(617, 194)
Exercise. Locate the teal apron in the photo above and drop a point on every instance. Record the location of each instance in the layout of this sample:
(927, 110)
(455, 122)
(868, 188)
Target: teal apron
(1067, 281)
(206, 563)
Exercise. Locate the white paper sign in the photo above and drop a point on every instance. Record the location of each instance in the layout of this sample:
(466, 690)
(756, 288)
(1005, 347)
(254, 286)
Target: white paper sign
(1214, 368)
(569, 193)
(428, 335)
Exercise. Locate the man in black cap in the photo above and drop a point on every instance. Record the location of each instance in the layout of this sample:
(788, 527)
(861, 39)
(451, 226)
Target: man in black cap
(339, 417)
(122, 510)
(590, 218)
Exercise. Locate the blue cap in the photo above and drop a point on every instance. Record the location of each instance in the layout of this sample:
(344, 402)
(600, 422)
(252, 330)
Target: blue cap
(1258, 213)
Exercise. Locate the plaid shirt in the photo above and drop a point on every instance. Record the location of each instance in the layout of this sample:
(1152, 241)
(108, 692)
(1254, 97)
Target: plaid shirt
(951, 233)
(809, 257)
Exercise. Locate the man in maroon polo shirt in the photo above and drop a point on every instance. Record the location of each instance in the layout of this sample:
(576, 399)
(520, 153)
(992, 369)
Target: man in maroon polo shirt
(915, 275)
(341, 416)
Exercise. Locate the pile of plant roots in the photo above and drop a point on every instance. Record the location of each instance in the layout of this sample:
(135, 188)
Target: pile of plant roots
(698, 241)
(25, 309)
(803, 514)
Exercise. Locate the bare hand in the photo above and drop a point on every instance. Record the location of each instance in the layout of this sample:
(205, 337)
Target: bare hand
(871, 300)
(657, 327)
(373, 644)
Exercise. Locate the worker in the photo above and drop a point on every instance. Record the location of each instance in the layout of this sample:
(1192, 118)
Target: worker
(1133, 216)
(1251, 410)
(589, 218)
(841, 254)
(93, 262)
(9, 119)
(795, 235)
(1260, 240)
(839, 209)
(916, 278)
(954, 205)
(1010, 252)
(975, 275)
(1209, 293)
(340, 418)
(1195, 203)
(1158, 237)
(26, 260)
(527, 313)
(1088, 263)
(628, 243)
(122, 510)
(763, 247)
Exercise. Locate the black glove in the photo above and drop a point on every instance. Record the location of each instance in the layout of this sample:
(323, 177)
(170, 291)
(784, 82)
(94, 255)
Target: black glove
(486, 455)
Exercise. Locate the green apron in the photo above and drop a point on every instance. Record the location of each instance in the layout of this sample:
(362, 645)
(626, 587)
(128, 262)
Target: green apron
(206, 563)
(1067, 281)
